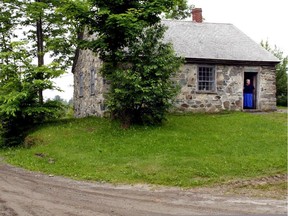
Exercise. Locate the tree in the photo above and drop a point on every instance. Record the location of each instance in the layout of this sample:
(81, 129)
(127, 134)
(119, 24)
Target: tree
(118, 22)
(9, 14)
(21, 81)
(120, 27)
(181, 10)
(67, 107)
(281, 73)
(49, 32)
(19, 103)
(141, 88)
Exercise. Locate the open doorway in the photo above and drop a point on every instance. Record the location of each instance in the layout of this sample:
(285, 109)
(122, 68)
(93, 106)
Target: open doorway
(250, 99)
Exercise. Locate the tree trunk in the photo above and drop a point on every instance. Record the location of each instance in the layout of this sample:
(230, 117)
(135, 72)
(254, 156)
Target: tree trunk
(80, 36)
(125, 119)
(40, 53)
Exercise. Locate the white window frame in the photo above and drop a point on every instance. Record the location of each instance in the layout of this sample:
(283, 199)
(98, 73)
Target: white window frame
(206, 78)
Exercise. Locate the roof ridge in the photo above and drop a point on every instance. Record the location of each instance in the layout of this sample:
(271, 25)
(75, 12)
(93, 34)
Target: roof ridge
(189, 21)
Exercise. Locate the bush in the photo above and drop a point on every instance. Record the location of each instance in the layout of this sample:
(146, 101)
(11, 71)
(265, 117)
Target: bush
(282, 100)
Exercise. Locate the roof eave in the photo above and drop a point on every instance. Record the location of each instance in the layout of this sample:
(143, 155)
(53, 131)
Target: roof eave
(231, 62)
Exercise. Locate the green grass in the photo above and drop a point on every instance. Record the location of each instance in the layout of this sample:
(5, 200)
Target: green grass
(189, 150)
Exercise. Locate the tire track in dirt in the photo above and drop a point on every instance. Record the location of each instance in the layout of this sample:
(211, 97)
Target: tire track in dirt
(30, 193)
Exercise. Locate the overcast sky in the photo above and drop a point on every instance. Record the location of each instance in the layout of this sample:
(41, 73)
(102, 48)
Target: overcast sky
(259, 19)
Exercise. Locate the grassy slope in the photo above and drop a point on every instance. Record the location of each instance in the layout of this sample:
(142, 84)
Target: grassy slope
(188, 150)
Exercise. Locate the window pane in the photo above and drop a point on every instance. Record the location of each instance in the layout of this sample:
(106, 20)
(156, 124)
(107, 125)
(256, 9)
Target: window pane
(206, 78)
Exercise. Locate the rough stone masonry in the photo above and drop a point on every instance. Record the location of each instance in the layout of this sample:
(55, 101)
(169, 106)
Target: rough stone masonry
(228, 95)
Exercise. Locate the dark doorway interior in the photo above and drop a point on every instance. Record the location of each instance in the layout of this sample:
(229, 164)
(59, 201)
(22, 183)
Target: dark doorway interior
(253, 79)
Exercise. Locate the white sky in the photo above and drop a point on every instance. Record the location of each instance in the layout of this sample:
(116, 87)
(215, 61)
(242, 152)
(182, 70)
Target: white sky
(65, 83)
(259, 19)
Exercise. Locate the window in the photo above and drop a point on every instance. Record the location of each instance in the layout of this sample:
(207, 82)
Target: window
(206, 78)
(81, 87)
(92, 82)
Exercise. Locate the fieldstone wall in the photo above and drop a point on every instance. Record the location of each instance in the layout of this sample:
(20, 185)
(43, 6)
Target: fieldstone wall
(89, 104)
(229, 89)
(228, 94)
(267, 89)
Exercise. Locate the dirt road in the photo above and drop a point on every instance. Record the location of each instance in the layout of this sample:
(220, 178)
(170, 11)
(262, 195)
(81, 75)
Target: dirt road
(29, 193)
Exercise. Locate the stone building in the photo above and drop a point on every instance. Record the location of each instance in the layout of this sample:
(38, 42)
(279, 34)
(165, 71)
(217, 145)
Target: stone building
(218, 58)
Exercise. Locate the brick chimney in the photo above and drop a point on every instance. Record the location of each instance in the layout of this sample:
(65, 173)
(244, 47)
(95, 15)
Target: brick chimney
(197, 15)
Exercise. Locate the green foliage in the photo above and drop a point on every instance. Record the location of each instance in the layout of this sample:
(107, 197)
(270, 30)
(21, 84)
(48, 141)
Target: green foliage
(19, 103)
(181, 10)
(117, 23)
(137, 63)
(21, 81)
(9, 19)
(188, 150)
(58, 31)
(141, 89)
(66, 108)
(281, 74)
(281, 81)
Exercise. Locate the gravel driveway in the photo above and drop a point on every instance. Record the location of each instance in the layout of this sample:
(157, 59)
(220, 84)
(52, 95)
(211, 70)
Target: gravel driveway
(29, 193)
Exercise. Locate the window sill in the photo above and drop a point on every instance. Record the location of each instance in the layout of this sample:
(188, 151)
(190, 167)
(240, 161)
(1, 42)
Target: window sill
(206, 92)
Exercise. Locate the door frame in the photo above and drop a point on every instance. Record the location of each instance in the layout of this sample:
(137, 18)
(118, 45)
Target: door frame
(253, 76)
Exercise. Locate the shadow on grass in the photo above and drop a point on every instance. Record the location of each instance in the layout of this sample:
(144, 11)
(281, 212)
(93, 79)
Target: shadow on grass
(18, 137)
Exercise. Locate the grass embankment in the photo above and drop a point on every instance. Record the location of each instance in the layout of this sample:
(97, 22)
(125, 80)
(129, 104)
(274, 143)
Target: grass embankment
(189, 150)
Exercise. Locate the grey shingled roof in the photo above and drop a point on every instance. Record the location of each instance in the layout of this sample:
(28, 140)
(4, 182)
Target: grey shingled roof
(218, 41)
